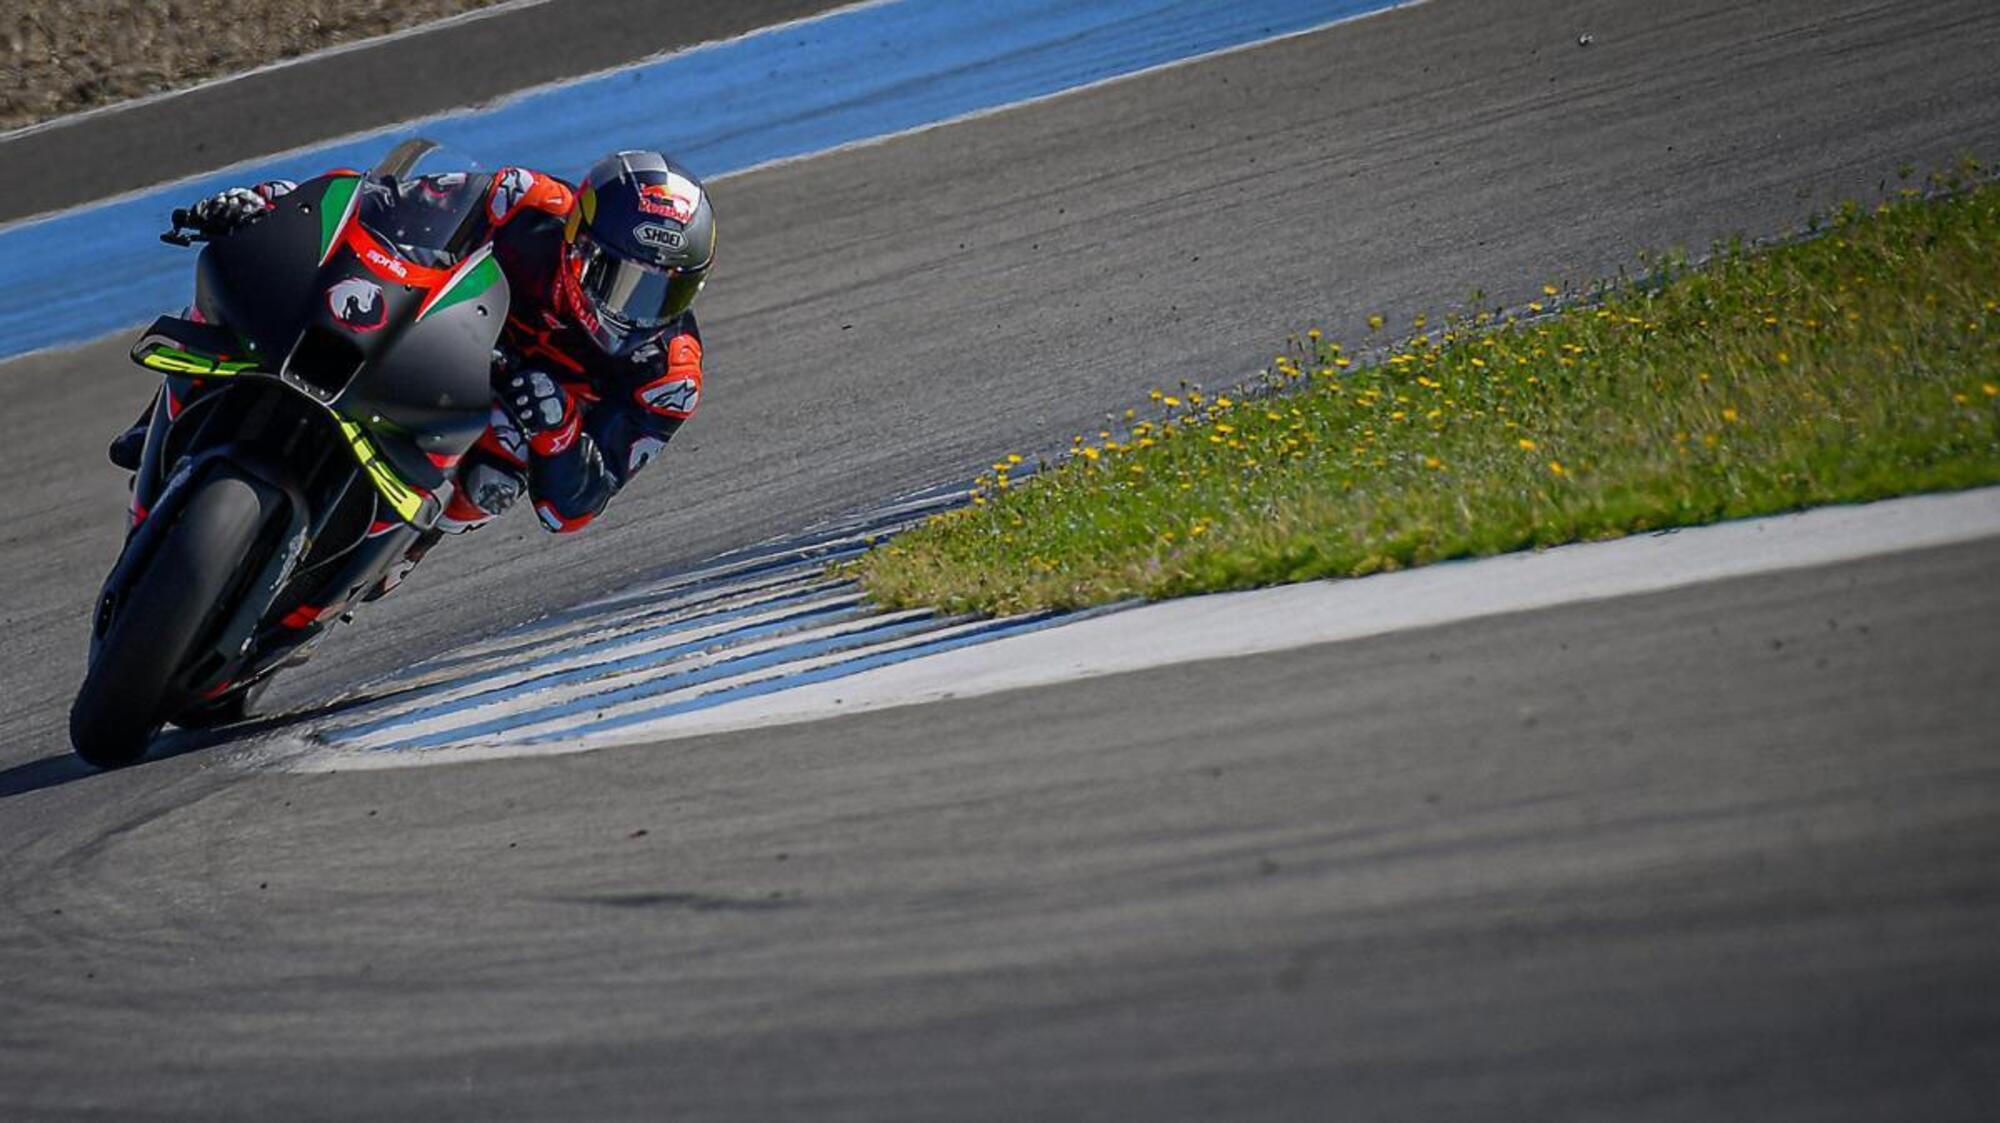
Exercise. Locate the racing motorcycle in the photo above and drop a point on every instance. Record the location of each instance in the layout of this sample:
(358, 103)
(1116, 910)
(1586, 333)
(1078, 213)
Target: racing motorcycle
(317, 396)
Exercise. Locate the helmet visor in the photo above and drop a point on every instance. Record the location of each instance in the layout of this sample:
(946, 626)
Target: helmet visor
(629, 294)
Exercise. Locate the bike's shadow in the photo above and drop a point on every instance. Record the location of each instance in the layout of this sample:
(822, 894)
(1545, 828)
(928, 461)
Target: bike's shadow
(67, 768)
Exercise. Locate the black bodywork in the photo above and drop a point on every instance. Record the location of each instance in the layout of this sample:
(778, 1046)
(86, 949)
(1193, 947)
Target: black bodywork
(341, 393)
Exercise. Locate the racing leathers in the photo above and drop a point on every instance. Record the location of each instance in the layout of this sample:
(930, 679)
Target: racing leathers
(571, 424)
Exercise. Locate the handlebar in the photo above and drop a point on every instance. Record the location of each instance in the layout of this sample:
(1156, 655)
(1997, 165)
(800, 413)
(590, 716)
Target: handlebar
(184, 232)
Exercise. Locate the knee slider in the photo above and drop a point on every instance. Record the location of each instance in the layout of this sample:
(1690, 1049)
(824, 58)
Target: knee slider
(492, 487)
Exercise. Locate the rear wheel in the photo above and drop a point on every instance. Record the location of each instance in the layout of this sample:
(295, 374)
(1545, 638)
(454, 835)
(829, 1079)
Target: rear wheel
(159, 619)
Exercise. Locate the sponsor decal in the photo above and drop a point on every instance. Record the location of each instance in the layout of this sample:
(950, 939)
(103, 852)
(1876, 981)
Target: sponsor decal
(508, 191)
(641, 453)
(677, 198)
(510, 438)
(407, 501)
(358, 304)
(386, 264)
(675, 397)
(663, 238)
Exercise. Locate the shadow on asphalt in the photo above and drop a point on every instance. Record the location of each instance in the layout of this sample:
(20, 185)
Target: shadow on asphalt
(66, 768)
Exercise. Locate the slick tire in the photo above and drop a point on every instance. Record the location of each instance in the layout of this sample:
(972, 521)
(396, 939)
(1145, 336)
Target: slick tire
(161, 617)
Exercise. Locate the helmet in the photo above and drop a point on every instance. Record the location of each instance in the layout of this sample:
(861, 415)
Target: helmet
(637, 248)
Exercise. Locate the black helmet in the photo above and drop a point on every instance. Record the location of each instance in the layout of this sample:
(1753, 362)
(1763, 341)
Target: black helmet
(640, 242)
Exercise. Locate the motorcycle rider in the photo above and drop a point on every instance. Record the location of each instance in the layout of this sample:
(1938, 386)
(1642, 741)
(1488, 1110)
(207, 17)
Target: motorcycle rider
(600, 360)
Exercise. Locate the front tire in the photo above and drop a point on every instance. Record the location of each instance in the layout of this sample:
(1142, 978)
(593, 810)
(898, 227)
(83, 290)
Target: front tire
(161, 616)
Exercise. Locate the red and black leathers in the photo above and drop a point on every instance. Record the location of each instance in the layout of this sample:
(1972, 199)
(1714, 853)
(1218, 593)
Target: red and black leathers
(616, 411)
(619, 411)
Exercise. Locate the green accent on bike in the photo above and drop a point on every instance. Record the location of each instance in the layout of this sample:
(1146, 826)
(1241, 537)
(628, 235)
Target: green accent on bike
(407, 501)
(333, 211)
(172, 360)
(466, 285)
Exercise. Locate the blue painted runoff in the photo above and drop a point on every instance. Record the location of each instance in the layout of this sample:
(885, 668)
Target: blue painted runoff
(787, 91)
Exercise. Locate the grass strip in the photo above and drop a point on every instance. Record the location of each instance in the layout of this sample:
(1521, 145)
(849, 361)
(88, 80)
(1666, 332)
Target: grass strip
(1855, 365)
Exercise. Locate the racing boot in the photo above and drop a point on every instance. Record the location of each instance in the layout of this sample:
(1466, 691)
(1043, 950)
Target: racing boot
(127, 447)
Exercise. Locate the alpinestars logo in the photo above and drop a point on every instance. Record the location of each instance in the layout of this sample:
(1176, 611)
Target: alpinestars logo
(357, 303)
(675, 397)
(508, 191)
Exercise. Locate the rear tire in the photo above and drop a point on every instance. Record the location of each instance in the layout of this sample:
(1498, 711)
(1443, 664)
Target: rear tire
(127, 690)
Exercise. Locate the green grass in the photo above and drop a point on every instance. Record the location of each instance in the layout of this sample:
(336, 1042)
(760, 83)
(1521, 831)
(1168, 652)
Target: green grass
(1859, 364)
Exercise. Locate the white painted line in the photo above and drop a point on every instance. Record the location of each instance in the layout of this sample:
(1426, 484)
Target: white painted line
(83, 115)
(362, 753)
(1228, 625)
(590, 624)
(508, 673)
(390, 128)
(1039, 99)
(416, 723)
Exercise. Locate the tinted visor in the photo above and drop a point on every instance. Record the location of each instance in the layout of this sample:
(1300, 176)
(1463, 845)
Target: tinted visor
(630, 294)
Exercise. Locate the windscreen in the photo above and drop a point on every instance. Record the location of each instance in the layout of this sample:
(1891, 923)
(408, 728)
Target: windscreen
(433, 218)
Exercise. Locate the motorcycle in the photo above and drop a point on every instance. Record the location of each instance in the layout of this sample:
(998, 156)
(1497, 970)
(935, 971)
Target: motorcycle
(316, 400)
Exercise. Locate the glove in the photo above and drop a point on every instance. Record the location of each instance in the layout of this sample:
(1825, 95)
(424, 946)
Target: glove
(228, 211)
(542, 410)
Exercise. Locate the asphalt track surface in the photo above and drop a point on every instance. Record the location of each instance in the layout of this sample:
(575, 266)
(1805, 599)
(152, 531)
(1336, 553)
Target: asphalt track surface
(1725, 852)
(333, 93)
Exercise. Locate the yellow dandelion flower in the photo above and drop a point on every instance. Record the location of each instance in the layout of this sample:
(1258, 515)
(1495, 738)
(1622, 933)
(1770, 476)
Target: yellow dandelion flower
(1090, 453)
(1420, 321)
(1534, 306)
(1550, 290)
(1225, 430)
(1433, 462)
(1013, 458)
(1729, 414)
(1988, 389)
(1526, 445)
(1375, 321)
(1784, 356)
(1556, 468)
(1172, 402)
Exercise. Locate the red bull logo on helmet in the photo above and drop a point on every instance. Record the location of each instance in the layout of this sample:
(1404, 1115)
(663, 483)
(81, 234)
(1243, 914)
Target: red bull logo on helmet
(677, 198)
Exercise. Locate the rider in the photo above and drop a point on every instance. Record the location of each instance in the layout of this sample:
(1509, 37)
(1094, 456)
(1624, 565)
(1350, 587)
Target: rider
(600, 361)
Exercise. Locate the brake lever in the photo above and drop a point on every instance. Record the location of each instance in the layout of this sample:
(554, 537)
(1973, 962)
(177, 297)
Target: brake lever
(185, 232)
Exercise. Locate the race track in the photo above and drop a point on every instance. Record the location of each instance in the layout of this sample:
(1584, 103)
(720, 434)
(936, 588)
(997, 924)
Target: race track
(1724, 852)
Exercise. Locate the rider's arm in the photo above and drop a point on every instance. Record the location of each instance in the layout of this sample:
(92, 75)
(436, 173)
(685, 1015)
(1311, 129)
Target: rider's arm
(573, 475)
(228, 211)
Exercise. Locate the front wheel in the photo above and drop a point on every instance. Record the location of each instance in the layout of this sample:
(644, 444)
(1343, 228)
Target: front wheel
(158, 620)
